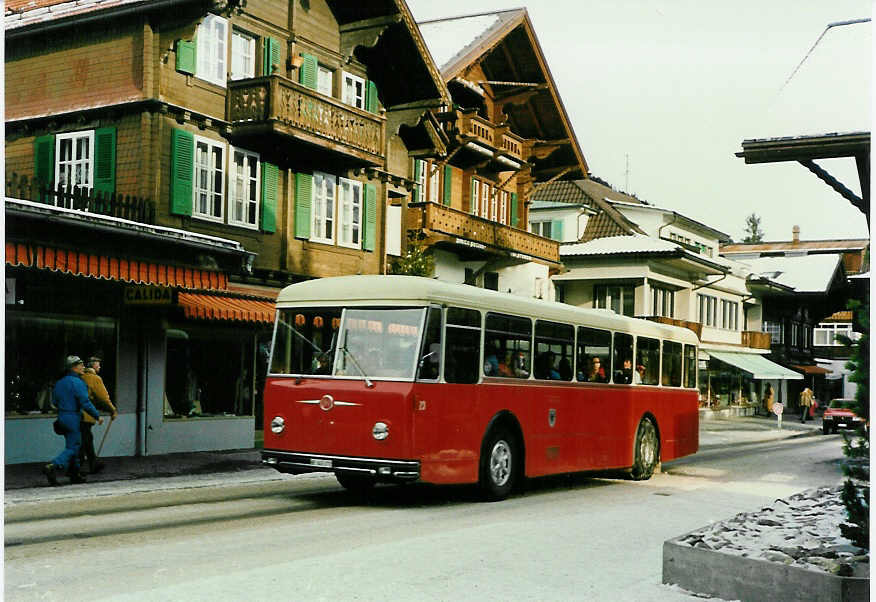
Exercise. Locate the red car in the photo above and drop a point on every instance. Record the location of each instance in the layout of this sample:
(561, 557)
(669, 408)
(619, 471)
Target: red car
(840, 414)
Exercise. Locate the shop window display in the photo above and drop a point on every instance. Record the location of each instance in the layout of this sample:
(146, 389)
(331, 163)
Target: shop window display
(36, 346)
(209, 373)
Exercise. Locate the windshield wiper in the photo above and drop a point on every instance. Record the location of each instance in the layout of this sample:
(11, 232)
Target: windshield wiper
(368, 382)
(301, 336)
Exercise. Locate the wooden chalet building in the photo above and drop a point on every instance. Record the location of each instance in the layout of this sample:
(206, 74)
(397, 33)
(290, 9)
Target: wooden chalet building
(504, 133)
(171, 164)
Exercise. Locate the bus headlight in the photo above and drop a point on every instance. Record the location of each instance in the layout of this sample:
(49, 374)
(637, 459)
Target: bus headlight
(380, 431)
(278, 425)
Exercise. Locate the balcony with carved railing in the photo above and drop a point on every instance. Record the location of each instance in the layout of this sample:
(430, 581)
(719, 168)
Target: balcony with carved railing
(277, 106)
(498, 140)
(443, 224)
(694, 326)
(756, 340)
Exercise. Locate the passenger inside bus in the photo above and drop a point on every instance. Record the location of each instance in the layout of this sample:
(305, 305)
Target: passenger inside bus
(625, 375)
(544, 366)
(596, 374)
(506, 366)
(565, 369)
(639, 375)
(323, 364)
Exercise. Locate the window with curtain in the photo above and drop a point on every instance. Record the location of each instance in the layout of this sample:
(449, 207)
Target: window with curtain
(212, 39)
(244, 189)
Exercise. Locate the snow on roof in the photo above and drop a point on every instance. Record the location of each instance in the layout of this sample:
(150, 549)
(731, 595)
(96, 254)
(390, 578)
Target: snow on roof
(452, 37)
(611, 245)
(805, 274)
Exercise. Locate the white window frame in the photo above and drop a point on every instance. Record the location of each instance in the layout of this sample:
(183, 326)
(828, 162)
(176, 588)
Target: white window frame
(831, 330)
(243, 52)
(503, 211)
(776, 330)
(539, 228)
(211, 180)
(708, 310)
(476, 195)
(251, 192)
(323, 207)
(87, 162)
(348, 92)
(662, 300)
(212, 40)
(325, 80)
(485, 200)
(421, 179)
(349, 213)
(433, 181)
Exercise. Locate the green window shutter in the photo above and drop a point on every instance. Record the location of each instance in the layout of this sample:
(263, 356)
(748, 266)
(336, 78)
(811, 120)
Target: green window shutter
(182, 166)
(370, 212)
(514, 218)
(418, 168)
(370, 96)
(270, 185)
(105, 160)
(448, 180)
(44, 159)
(557, 229)
(271, 50)
(303, 196)
(186, 55)
(307, 71)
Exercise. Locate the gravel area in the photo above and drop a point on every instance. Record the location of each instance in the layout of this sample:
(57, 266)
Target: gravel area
(801, 530)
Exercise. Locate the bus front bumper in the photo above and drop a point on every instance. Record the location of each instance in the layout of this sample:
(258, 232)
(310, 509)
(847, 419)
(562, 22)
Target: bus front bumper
(379, 468)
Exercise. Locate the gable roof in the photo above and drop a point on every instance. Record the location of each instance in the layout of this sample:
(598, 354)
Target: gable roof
(504, 45)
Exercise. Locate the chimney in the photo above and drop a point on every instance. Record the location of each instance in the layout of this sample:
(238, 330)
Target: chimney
(795, 234)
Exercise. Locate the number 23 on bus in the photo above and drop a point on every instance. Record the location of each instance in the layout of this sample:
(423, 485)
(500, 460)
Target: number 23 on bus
(399, 378)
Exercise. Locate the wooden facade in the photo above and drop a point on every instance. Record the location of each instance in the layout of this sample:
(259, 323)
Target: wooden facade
(224, 115)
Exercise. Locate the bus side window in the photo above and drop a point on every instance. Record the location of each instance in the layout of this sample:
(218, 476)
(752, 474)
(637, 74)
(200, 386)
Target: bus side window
(690, 366)
(594, 355)
(462, 345)
(430, 356)
(623, 358)
(506, 346)
(671, 372)
(647, 361)
(553, 350)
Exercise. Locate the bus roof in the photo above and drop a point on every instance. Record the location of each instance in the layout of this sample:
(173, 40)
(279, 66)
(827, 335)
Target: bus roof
(413, 290)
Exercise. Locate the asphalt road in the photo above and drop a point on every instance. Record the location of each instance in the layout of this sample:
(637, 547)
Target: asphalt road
(564, 538)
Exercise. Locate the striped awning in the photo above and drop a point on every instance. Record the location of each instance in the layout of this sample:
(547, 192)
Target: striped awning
(79, 263)
(222, 307)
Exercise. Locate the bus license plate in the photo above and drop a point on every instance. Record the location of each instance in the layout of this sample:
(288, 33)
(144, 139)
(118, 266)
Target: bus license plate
(321, 462)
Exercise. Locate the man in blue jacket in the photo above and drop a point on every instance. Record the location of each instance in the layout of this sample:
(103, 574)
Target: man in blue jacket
(70, 397)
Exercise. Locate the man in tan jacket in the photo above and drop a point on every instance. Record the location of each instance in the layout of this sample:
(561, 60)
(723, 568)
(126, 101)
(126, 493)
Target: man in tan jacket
(805, 403)
(99, 396)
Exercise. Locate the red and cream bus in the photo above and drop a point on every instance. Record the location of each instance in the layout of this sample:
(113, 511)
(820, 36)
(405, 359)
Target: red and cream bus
(399, 378)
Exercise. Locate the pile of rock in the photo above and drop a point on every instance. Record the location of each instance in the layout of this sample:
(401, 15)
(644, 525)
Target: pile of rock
(802, 530)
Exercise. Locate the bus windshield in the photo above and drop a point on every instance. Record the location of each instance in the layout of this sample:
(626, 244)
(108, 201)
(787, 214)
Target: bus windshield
(355, 342)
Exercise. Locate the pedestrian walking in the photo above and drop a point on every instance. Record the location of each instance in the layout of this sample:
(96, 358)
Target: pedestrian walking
(99, 397)
(805, 403)
(768, 398)
(70, 397)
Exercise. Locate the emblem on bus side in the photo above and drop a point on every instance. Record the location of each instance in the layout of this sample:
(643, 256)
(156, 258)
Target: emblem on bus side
(327, 402)
(552, 417)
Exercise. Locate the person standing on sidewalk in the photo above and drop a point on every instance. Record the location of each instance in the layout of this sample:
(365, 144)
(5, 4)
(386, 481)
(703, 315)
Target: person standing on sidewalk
(70, 397)
(99, 397)
(805, 403)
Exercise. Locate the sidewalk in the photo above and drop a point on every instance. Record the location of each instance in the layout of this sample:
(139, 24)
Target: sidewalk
(122, 475)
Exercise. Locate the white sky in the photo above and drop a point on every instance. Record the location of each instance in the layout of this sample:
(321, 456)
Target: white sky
(678, 85)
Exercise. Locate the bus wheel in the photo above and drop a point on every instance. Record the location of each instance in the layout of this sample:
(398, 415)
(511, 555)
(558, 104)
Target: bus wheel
(647, 451)
(498, 464)
(354, 482)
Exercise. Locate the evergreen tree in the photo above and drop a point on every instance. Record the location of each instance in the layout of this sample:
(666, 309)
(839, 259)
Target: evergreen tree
(417, 261)
(856, 488)
(752, 229)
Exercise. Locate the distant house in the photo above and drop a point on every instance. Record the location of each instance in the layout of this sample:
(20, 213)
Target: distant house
(804, 287)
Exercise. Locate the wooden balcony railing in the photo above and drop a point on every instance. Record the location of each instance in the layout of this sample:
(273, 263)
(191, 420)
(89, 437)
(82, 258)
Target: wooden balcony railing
(296, 111)
(127, 207)
(694, 326)
(468, 229)
(756, 340)
(492, 136)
